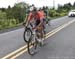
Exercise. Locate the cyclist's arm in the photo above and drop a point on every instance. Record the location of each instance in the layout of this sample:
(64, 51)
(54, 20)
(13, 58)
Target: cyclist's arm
(25, 19)
(28, 18)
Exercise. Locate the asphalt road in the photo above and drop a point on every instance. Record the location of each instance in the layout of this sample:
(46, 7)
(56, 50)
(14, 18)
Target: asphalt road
(10, 41)
(59, 46)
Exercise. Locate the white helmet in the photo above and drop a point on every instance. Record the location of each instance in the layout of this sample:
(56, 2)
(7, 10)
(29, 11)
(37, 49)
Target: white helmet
(31, 8)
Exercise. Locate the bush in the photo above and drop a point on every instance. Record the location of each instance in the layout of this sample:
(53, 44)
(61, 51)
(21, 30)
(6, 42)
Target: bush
(7, 23)
(53, 13)
(2, 15)
(63, 14)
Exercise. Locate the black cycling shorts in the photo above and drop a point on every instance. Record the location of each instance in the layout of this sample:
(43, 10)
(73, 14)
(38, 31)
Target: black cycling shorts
(37, 22)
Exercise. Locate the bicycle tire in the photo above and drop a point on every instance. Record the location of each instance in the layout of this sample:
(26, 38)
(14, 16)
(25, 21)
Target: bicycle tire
(24, 35)
(32, 47)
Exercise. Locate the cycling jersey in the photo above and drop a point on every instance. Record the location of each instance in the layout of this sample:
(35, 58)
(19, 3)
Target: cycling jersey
(37, 16)
(42, 14)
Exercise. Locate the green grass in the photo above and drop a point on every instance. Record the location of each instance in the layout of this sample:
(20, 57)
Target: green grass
(7, 23)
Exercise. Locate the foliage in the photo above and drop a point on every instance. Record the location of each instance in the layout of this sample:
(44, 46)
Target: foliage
(11, 16)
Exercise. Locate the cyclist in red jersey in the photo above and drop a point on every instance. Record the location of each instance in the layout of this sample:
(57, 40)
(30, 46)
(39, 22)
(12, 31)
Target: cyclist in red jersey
(44, 19)
(36, 17)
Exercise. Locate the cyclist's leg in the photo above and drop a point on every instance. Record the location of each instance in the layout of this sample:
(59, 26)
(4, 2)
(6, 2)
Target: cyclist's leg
(38, 31)
(48, 21)
(44, 25)
(41, 31)
(39, 35)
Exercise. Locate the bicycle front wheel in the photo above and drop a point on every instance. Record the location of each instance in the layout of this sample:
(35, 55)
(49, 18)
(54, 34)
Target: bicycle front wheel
(27, 35)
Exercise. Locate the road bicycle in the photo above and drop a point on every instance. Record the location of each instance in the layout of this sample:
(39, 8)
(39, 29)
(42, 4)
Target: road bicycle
(31, 38)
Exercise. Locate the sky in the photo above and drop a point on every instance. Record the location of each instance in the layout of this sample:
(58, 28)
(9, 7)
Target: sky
(37, 3)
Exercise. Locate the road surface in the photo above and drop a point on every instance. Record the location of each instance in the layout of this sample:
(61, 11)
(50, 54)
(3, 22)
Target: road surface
(59, 45)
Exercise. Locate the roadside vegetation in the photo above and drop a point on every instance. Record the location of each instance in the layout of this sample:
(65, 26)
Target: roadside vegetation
(13, 16)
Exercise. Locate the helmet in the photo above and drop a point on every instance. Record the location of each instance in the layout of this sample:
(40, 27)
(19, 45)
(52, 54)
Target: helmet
(35, 9)
(31, 8)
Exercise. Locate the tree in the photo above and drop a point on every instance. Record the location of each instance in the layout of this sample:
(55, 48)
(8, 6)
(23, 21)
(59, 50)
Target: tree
(19, 11)
(3, 9)
(67, 7)
(74, 4)
(69, 4)
(9, 7)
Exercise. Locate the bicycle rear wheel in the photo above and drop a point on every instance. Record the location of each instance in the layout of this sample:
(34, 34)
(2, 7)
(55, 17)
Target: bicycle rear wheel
(32, 46)
(27, 35)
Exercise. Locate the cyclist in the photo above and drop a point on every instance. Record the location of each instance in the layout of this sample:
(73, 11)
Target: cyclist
(36, 17)
(43, 17)
(28, 10)
(45, 9)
